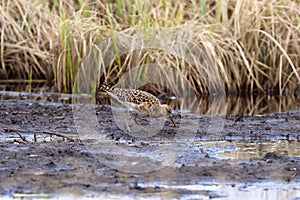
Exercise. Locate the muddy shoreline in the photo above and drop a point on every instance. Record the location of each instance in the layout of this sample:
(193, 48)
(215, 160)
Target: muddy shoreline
(35, 161)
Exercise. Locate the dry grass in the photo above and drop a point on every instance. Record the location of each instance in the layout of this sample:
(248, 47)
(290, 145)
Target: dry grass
(241, 46)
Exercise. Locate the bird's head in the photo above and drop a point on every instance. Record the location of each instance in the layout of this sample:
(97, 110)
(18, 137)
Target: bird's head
(166, 110)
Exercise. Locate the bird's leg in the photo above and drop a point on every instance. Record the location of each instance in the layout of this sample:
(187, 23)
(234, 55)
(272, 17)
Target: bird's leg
(138, 123)
(135, 114)
(126, 114)
(135, 118)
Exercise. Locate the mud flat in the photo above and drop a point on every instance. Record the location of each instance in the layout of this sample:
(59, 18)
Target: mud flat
(44, 151)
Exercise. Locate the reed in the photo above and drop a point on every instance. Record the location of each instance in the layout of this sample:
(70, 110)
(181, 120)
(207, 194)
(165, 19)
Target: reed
(253, 46)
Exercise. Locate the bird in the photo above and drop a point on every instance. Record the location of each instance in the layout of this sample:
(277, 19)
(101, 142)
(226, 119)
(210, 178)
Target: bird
(139, 101)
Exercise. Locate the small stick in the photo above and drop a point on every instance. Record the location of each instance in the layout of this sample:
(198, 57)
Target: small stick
(20, 141)
(59, 135)
(22, 137)
(10, 130)
(25, 196)
(16, 131)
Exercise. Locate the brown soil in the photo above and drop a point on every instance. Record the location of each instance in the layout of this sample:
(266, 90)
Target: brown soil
(34, 160)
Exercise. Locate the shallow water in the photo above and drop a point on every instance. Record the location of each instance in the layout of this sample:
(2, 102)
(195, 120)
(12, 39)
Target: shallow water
(266, 190)
(233, 105)
(228, 191)
(247, 150)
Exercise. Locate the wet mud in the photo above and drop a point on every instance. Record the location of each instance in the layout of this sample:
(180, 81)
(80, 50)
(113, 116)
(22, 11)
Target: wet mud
(44, 150)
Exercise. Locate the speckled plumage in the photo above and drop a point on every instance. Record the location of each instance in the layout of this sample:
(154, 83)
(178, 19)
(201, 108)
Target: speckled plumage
(138, 100)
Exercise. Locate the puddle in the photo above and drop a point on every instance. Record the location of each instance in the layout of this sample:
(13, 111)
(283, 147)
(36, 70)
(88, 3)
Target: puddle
(248, 150)
(149, 191)
(259, 191)
(177, 153)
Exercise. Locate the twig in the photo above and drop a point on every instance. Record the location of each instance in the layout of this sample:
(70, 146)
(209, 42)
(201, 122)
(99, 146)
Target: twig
(16, 131)
(59, 135)
(35, 139)
(22, 137)
(20, 141)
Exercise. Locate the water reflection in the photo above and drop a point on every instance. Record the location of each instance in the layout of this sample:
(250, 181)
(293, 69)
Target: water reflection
(250, 105)
(220, 191)
(247, 150)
